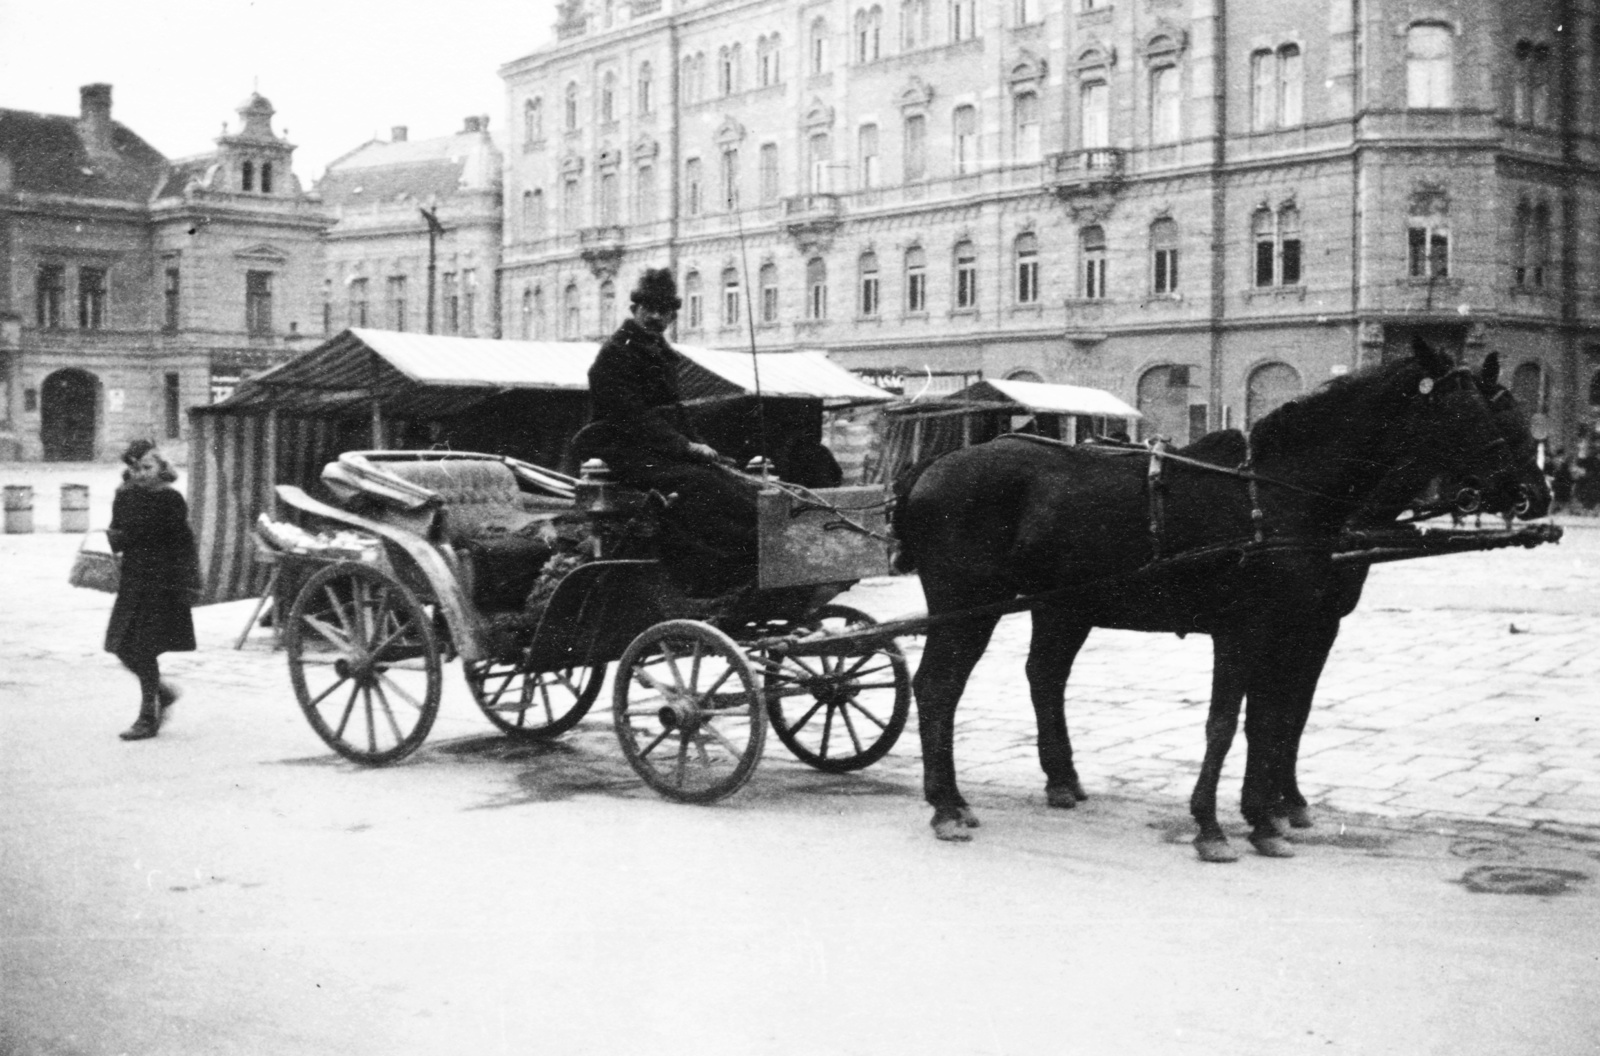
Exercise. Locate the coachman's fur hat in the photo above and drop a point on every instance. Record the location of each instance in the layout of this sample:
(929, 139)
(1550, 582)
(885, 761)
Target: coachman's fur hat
(657, 290)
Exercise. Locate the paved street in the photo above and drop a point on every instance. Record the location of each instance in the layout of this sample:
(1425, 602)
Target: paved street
(233, 887)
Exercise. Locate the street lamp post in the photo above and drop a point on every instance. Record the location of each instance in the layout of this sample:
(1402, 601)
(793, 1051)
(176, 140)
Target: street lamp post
(435, 230)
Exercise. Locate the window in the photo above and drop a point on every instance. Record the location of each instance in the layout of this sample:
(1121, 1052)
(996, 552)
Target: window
(913, 24)
(965, 130)
(1094, 108)
(172, 393)
(1531, 244)
(247, 176)
(867, 266)
(527, 314)
(538, 313)
(171, 314)
(608, 197)
(820, 149)
(258, 301)
(731, 301)
(1164, 257)
(816, 289)
(266, 177)
(916, 280)
(730, 178)
(867, 139)
(570, 312)
(1165, 103)
(469, 301)
(644, 194)
(1025, 111)
(572, 107)
(1530, 88)
(767, 61)
(1027, 253)
(608, 306)
(1027, 11)
(1276, 88)
(769, 293)
(963, 20)
(533, 213)
(571, 203)
(608, 98)
(533, 121)
(869, 34)
(450, 303)
(646, 89)
(769, 173)
(818, 49)
(1428, 238)
(50, 295)
(327, 307)
(397, 302)
(693, 302)
(1270, 386)
(1277, 246)
(966, 260)
(692, 190)
(358, 302)
(1093, 240)
(1430, 55)
(916, 147)
(92, 298)
(725, 71)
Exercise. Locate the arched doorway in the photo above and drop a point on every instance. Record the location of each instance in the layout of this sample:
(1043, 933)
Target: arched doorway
(1527, 386)
(1271, 385)
(68, 408)
(1164, 402)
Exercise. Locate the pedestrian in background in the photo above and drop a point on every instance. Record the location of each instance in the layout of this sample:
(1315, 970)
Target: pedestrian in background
(160, 572)
(1560, 481)
(1586, 477)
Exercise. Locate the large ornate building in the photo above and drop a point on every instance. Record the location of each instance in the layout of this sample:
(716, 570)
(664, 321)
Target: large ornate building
(1205, 206)
(131, 285)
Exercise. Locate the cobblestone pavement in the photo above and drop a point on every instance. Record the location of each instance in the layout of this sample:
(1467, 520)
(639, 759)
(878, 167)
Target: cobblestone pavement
(1463, 688)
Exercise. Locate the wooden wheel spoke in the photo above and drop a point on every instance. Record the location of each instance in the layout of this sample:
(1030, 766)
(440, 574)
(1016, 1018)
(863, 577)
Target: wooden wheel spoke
(399, 690)
(320, 697)
(827, 731)
(683, 756)
(379, 647)
(328, 633)
(336, 603)
(850, 728)
(388, 712)
(349, 710)
(711, 690)
(865, 712)
(654, 744)
(800, 723)
(722, 740)
(670, 657)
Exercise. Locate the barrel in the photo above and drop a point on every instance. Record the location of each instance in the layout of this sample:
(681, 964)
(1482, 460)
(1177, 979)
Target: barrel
(74, 507)
(19, 509)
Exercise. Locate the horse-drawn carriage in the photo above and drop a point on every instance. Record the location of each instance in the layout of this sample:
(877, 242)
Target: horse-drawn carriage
(540, 583)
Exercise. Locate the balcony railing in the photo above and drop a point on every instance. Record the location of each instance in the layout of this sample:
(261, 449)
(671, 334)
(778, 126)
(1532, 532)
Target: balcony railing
(812, 217)
(1074, 171)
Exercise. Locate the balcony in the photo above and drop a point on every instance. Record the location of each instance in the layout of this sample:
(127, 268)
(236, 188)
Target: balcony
(811, 219)
(1092, 171)
(601, 248)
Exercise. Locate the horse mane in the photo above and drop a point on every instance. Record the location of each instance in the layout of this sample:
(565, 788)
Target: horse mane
(1225, 447)
(1311, 419)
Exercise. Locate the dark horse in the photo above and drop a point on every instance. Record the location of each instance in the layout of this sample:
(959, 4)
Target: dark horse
(1519, 490)
(1244, 555)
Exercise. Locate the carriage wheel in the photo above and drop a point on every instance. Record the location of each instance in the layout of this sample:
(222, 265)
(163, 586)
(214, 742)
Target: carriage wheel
(839, 713)
(533, 705)
(365, 662)
(689, 711)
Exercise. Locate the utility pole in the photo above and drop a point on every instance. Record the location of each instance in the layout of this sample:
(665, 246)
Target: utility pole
(435, 231)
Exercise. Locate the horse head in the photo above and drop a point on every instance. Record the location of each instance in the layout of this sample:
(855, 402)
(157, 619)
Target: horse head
(1520, 489)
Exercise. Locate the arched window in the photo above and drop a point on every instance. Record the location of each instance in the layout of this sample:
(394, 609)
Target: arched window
(247, 176)
(1165, 104)
(915, 148)
(769, 173)
(646, 89)
(724, 70)
(817, 47)
(693, 189)
(867, 148)
(964, 127)
(913, 24)
(532, 121)
(266, 177)
(867, 269)
(526, 328)
(1163, 400)
(1528, 386)
(1094, 105)
(1276, 88)
(533, 213)
(572, 107)
(1026, 249)
(1092, 241)
(1277, 246)
(816, 289)
(963, 20)
(820, 154)
(644, 194)
(1026, 121)
(1269, 387)
(1428, 237)
(693, 301)
(966, 269)
(608, 306)
(1430, 66)
(570, 309)
(732, 301)
(869, 34)
(538, 313)
(1164, 257)
(608, 98)
(769, 293)
(1530, 87)
(767, 55)
(916, 280)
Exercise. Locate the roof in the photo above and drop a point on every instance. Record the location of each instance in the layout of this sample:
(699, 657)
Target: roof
(1043, 398)
(420, 169)
(48, 156)
(425, 375)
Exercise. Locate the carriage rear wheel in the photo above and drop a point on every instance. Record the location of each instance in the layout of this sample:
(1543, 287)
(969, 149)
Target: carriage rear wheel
(533, 705)
(689, 711)
(364, 660)
(838, 713)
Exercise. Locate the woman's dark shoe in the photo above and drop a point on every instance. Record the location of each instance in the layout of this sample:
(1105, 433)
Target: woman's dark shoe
(147, 725)
(168, 695)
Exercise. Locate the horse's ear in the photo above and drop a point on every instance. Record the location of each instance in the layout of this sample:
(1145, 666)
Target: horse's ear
(1433, 363)
(1490, 374)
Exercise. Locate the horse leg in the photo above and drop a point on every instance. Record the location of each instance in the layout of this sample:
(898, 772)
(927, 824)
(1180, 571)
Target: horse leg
(947, 661)
(1057, 637)
(1268, 728)
(1317, 646)
(1222, 722)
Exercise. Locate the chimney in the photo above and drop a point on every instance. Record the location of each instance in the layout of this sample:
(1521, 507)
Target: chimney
(94, 121)
(476, 123)
(397, 134)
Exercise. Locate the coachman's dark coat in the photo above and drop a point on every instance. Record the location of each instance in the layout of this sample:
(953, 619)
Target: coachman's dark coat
(150, 529)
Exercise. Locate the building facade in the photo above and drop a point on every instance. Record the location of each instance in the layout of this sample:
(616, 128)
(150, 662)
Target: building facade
(1202, 206)
(382, 254)
(131, 285)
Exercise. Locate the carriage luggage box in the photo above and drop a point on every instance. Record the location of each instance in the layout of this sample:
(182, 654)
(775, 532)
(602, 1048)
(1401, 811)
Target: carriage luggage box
(804, 543)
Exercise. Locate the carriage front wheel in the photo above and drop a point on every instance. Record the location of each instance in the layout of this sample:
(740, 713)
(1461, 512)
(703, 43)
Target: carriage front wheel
(533, 705)
(689, 711)
(842, 712)
(365, 663)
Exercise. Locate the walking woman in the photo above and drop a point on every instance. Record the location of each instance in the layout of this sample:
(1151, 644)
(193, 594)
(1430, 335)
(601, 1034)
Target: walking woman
(150, 529)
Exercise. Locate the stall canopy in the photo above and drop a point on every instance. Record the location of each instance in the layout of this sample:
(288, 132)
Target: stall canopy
(382, 389)
(922, 429)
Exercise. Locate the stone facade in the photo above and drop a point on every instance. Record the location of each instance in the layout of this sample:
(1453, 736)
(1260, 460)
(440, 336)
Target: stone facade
(376, 271)
(130, 285)
(1203, 207)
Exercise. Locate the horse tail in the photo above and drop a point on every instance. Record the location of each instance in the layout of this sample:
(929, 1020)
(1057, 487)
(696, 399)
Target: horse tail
(905, 559)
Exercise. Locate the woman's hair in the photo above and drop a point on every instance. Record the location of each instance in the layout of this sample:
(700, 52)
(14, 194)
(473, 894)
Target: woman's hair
(137, 449)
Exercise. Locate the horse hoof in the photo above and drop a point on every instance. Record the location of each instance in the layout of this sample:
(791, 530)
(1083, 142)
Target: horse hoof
(1215, 849)
(951, 829)
(1077, 790)
(1300, 818)
(1061, 797)
(967, 817)
(1272, 846)
(1280, 826)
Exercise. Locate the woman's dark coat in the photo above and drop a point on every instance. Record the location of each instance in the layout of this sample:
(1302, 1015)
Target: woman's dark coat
(150, 529)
